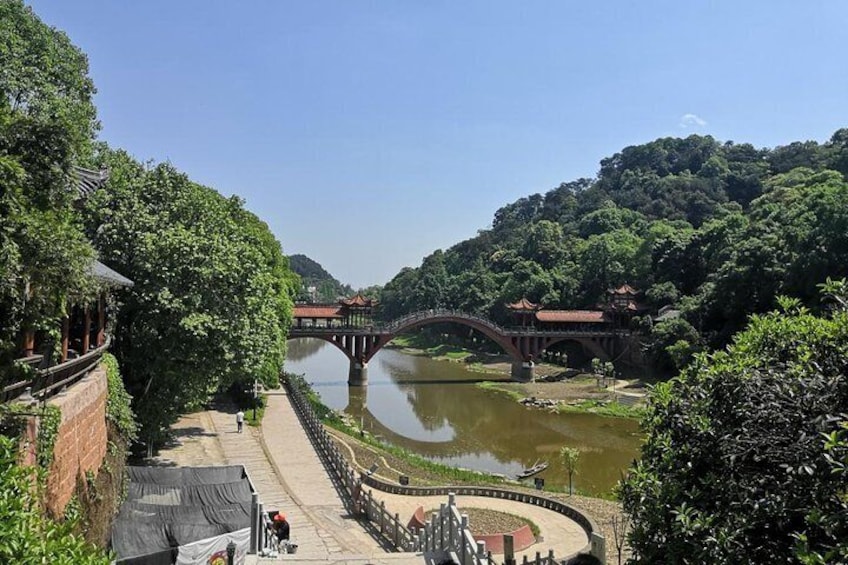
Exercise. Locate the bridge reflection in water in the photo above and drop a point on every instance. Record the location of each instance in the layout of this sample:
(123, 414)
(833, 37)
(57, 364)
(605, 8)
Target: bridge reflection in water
(434, 409)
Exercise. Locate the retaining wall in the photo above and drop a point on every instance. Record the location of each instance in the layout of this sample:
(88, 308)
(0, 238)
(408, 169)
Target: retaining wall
(81, 441)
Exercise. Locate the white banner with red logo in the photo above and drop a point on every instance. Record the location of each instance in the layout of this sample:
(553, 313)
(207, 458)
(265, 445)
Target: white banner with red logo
(213, 551)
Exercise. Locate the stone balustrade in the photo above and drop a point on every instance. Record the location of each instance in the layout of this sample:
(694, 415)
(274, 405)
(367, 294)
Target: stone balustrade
(446, 530)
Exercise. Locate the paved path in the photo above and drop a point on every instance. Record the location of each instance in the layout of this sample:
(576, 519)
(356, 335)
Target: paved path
(289, 476)
(321, 526)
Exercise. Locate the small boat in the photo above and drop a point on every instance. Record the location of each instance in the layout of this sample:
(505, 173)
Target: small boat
(537, 467)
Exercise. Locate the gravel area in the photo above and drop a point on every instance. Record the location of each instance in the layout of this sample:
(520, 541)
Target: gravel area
(483, 521)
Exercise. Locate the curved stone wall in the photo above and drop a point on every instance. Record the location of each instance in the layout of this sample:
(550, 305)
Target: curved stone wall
(492, 492)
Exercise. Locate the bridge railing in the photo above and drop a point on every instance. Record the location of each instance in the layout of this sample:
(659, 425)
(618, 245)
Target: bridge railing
(395, 325)
(441, 313)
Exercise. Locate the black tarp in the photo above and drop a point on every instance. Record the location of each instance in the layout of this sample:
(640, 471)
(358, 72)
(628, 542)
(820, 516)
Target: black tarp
(167, 507)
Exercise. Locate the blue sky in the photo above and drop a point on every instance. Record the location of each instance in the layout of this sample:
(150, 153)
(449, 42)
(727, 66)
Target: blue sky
(368, 134)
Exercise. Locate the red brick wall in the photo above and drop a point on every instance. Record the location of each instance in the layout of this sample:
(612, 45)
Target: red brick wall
(81, 443)
(522, 538)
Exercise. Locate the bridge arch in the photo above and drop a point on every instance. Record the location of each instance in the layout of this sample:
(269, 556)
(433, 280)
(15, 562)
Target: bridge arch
(485, 327)
(596, 347)
(524, 345)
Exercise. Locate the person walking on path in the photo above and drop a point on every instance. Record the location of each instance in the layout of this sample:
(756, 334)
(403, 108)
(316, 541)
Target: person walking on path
(239, 420)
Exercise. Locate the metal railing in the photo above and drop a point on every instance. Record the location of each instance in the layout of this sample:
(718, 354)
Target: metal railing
(50, 381)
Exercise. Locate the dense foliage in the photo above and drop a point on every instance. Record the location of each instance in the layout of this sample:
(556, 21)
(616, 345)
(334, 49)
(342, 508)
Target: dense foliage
(213, 290)
(744, 460)
(212, 295)
(98, 496)
(119, 403)
(27, 535)
(312, 274)
(715, 229)
(47, 124)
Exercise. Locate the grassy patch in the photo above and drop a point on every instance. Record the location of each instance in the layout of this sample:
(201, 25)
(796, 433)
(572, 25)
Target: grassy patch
(252, 416)
(420, 344)
(502, 388)
(484, 521)
(610, 409)
(412, 464)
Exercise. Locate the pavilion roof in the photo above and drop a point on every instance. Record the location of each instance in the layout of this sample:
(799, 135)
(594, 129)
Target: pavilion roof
(624, 289)
(357, 300)
(109, 276)
(523, 304)
(573, 316)
(317, 311)
(87, 181)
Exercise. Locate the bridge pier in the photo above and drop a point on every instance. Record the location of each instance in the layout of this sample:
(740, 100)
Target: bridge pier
(523, 371)
(358, 374)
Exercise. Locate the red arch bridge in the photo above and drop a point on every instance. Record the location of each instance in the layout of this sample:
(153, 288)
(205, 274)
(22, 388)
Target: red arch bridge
(523, 344)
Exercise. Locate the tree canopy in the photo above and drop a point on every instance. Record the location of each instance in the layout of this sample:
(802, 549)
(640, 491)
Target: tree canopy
(47, 126)
(716, 230)
(312, 274)
(744, 456)
(213, 291)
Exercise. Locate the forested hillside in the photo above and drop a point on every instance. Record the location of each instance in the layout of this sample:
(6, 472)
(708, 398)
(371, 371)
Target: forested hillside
(312, 274)
(715, 229)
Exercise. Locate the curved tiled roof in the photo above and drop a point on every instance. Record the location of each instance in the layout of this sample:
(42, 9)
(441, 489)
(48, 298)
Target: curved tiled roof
(316, 311)
(357, 300)
(624, 289)
(523, 304)
(573, 316)
(87, 181)
(103, 273)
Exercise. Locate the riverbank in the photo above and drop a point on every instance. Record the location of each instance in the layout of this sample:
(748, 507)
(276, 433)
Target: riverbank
(368, 455)
(556, 387)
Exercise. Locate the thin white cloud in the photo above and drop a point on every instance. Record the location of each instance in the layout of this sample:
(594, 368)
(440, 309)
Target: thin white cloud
(692, 121)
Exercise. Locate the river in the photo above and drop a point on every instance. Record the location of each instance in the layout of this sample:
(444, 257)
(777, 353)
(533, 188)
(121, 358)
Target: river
(433, 408)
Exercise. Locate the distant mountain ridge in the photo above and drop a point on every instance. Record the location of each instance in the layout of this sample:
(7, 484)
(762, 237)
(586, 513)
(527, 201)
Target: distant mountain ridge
(317, 284)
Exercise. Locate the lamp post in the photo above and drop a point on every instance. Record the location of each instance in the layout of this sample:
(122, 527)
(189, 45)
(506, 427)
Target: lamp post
(255, 398)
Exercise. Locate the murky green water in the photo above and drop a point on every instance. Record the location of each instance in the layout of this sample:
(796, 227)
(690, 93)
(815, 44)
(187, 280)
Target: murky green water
(434, 409)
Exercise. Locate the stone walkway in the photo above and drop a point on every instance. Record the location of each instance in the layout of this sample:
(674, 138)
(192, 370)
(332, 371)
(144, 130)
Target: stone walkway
(289, 475)
(321, 526)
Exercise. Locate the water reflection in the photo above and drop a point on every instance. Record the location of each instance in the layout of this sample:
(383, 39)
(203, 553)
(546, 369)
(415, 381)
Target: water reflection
(434, 409)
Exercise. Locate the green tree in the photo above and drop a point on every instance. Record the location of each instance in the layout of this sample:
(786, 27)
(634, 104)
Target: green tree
(312, 274)
(734, 464)
(47, 124)
(570, 457)
(44, 77)
(213, 292)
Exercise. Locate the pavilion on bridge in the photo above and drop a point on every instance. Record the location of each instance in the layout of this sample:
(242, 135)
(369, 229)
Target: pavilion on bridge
(622, 304)
(354, 312)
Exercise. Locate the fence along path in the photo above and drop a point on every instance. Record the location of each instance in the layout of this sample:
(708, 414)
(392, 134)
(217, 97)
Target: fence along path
(314, 489)
(445, 531)
(209, 438)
